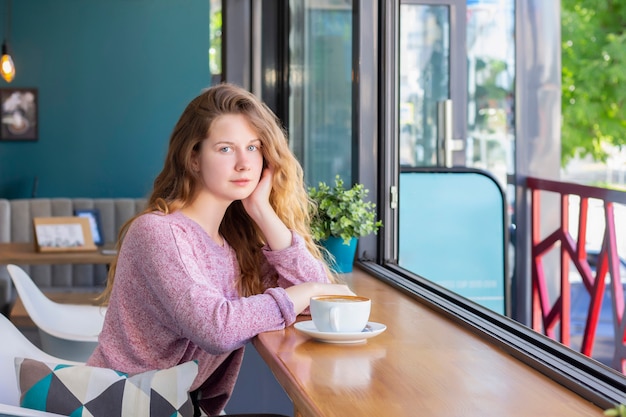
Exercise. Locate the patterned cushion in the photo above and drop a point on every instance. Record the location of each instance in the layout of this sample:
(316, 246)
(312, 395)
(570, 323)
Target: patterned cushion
(81, 390)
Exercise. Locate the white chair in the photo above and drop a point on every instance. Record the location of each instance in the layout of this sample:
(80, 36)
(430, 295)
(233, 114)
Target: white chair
(15, 344)
(68, 331)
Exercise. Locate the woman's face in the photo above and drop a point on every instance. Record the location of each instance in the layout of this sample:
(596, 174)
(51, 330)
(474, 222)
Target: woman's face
(230, 160)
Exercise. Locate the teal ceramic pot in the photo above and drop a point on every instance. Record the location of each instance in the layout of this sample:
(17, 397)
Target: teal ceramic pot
(344, 254)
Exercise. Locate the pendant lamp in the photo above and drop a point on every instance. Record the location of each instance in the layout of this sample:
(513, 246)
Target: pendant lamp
(7, 68)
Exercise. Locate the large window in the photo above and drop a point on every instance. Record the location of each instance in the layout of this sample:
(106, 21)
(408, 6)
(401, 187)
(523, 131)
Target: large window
(416, 98)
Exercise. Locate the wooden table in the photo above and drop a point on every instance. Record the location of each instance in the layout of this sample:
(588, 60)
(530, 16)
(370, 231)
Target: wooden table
(25, 254)
(422, 365)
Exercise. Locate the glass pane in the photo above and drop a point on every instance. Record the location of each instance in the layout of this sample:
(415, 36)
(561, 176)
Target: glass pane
(491, 96)
(491, 87)
(215, 41)
(320, 101)
(424, 80)
(454, 237)
(440, 225)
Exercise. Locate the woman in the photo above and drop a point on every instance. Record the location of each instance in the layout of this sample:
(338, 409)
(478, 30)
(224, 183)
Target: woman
(222, 253)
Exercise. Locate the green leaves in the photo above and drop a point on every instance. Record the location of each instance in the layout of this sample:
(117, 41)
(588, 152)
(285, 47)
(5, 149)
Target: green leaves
(593, 73)
(342, 212)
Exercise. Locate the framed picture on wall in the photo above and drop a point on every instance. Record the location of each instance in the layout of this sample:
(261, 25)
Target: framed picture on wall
(19, 114)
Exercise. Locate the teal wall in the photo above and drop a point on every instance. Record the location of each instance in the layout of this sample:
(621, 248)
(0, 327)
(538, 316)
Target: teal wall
(113, 77)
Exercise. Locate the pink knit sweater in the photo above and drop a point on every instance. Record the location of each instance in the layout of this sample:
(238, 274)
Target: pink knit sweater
(174, 300)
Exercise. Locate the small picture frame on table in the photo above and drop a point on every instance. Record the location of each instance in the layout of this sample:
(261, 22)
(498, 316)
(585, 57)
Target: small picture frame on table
(19, 114)
(63, 234)
(94, 223)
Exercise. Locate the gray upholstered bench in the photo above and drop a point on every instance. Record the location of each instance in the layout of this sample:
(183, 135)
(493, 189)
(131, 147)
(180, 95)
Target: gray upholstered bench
(16, 225)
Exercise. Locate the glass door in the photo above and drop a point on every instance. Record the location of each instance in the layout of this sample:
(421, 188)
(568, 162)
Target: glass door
(452, 225)
(450, 221)
(456, 84)
(431, 105)
(431, 87)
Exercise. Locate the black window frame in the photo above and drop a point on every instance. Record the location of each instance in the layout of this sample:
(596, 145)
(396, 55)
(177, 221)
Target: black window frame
(374, 61)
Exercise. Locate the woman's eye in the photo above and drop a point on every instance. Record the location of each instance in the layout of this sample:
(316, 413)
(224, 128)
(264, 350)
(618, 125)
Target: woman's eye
(225, 149)
(252, 147)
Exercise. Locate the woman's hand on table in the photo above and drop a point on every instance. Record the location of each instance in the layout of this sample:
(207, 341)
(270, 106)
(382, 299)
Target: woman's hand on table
(301, 294)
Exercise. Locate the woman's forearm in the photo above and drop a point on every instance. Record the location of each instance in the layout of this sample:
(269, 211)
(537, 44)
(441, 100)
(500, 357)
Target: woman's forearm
(301, 294)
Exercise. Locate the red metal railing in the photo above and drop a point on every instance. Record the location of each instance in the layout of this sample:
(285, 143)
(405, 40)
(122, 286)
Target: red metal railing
(546, 315)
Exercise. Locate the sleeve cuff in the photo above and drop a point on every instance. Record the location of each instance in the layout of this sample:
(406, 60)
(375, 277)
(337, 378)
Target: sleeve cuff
(284, 304)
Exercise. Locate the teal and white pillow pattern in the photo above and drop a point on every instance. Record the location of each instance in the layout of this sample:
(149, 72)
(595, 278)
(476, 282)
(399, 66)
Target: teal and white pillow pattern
(87, 391)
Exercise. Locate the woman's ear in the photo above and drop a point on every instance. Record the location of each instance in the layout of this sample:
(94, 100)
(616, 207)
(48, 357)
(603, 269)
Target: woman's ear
(195, 161)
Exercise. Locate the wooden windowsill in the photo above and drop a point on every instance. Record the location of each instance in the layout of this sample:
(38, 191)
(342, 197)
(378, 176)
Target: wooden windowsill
(423, 364)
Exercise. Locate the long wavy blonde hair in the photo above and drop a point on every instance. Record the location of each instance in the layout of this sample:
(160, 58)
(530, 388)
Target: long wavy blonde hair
(178, 184)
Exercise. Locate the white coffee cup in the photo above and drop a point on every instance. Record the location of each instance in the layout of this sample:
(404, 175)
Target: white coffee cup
(340, 313)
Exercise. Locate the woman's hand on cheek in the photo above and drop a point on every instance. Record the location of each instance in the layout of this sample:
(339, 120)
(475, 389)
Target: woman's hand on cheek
(257, 205)
(260, 197)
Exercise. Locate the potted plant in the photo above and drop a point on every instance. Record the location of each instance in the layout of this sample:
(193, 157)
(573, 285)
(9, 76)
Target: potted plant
(341, 217)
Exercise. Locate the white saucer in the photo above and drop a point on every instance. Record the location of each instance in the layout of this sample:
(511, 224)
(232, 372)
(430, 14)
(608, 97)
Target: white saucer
(372, 329)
